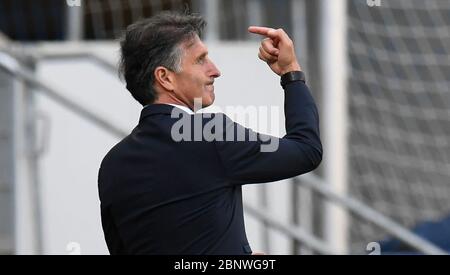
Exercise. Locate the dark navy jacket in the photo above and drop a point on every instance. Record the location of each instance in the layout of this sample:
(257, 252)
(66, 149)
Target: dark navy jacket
(163, 196)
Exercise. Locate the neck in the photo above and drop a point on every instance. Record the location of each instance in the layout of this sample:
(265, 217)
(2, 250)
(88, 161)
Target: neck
(169, 99)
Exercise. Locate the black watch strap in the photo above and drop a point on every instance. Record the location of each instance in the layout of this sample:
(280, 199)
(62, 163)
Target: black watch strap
(292, 77)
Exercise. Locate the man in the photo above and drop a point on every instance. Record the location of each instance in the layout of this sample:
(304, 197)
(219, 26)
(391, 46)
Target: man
(164, 195)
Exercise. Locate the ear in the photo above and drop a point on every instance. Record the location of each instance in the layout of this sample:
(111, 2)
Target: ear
(164, 77)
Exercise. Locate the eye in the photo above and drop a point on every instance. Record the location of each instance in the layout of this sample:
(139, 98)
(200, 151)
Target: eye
(201, 60)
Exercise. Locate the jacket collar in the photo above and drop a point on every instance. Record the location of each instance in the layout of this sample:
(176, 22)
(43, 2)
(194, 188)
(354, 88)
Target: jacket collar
(154, 109)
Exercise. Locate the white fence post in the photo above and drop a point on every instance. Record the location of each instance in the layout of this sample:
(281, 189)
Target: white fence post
(333, 51)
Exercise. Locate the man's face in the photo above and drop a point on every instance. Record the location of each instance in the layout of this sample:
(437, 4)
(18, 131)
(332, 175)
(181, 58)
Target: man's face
(197, 75)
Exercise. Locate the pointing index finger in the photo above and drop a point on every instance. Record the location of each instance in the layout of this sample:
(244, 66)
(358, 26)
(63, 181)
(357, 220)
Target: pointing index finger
(269, 32)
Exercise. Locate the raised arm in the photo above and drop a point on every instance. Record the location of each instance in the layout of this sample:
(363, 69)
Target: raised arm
(270, 158)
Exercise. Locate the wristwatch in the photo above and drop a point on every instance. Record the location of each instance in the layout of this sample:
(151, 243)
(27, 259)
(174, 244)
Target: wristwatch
(292, 77)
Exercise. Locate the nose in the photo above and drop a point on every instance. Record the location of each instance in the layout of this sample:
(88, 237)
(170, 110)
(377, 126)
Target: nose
(214, 71)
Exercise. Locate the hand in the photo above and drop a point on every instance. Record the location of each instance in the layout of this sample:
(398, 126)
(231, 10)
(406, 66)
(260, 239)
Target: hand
(277, 50)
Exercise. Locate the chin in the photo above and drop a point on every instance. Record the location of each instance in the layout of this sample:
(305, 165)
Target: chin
(208, 100)
(207, 103)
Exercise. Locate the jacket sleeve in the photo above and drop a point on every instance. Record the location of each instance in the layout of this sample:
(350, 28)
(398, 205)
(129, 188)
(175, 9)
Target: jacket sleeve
(250, 157)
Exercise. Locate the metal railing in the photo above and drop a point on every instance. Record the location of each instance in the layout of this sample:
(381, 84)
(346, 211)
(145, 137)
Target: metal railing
(370, 214)
(310, 181)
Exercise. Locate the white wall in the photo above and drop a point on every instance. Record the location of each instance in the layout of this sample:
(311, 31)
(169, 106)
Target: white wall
(68, 170)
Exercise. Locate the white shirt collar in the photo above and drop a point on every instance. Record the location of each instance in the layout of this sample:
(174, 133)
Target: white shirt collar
(184, 108)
